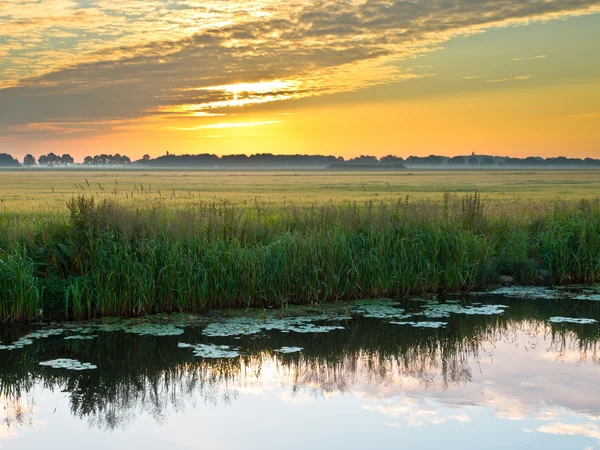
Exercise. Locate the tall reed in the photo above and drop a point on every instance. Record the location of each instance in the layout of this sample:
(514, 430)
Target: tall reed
(106, 258)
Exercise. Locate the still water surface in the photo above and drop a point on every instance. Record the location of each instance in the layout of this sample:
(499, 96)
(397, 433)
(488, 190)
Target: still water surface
(501, 374)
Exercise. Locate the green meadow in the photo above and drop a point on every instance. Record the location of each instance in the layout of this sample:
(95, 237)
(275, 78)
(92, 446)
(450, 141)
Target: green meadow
(46, 190)
(78, 244)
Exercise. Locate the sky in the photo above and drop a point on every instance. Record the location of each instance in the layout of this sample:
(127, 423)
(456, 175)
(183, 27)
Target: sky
(340, 77)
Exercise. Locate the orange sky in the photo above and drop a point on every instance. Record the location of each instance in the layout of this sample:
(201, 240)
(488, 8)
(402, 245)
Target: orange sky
(343, 78)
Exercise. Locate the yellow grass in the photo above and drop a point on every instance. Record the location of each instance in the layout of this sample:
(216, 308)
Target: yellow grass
(42, 190)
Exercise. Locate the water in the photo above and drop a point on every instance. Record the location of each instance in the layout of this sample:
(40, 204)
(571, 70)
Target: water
(499, 374)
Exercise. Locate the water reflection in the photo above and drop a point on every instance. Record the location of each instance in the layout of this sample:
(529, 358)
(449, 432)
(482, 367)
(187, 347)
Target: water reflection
(517, 366)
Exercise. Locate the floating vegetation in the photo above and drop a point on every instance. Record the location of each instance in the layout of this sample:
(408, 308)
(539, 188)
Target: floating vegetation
(69, 364)
(422, 324)
(29, 338)
(82, 337)
(386, 309)
(211, 351)
(155, 330)
(144, 329)
(589, 293)
(339, 318)
(290, 349)
(533, 292)
(588, 297)
(82, 330)
(434, 310)
(242, 326)
(580, 321)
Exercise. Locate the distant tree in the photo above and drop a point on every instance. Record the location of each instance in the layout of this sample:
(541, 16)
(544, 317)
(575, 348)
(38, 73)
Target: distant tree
(88, 161)
(29, 160)
(53, 159)
(7, 160)
(49, 160)
(457, 161)
(473, 161)
(434, 160)
(146, 158)
(364, 159)
(66, 159)
(125, 160)
(487, 161)
(391, 159)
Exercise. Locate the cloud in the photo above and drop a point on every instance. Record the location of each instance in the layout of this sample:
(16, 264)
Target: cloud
(530, 58)
(585, 116)
(214, 126)
(517, 78)
(589, 430)
(131, 58)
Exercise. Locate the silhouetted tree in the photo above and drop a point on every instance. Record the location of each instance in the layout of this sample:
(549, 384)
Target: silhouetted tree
(391, 159)
(457, 161)
(473, 161)
(146, 158)
(49, 160)
(7, 160)
(364, 159)
(66, 159)
(29, 160)
(434, 160)
(88, 161)
(487, 161)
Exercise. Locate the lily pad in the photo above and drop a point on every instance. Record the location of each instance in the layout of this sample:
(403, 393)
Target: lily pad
(422, 324)
(577, 320)
(211, 351)
(534, 292)
(69, 364)
(242, 326)
(289, 349)
(86, 337)
(443, 310)
(380, 310)
(29, 338)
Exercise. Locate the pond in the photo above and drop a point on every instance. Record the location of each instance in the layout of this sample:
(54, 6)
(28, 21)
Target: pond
(492, 371)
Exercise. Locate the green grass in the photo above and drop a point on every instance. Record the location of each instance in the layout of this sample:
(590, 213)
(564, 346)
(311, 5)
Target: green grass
(112, 258)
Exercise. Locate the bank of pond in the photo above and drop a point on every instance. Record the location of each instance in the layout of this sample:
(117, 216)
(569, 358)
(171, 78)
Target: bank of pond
(105, 258)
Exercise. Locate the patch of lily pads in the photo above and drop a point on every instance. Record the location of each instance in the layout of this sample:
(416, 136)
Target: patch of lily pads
(141, 329)
(82, 337)
(580, 321)
(69, 364)
(211, 351)
(588, 293)
(533, 292)
(433, 310)
(28, 339)
(422, 324)
(243, 326)
(289, 350)
(380, 310)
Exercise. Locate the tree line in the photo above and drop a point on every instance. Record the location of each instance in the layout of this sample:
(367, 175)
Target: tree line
(55, 160)
(298, 161)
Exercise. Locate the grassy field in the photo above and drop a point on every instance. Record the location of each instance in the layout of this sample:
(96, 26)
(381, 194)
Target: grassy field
(44, 190)
(131, 243)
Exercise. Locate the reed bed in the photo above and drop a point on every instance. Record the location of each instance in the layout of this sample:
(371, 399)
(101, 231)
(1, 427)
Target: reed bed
(108, 258)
